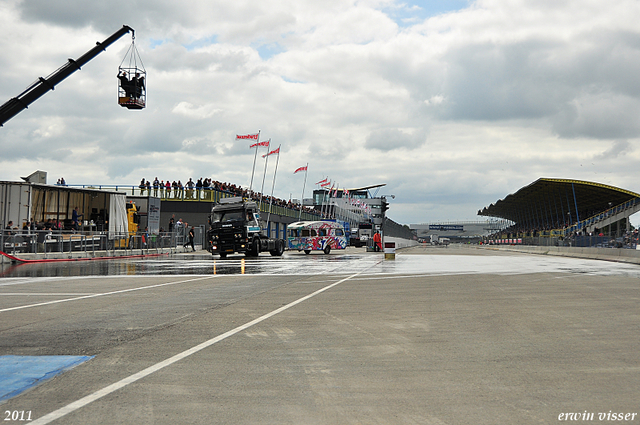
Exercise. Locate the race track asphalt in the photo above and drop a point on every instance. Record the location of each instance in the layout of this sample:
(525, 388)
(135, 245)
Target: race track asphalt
(436, 336)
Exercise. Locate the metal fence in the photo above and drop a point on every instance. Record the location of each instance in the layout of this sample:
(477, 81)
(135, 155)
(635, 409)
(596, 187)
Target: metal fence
(56, 241)
(585, 241)
(205, 194)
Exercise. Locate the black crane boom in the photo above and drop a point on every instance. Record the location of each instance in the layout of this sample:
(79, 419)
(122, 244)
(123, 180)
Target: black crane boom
(42, 85)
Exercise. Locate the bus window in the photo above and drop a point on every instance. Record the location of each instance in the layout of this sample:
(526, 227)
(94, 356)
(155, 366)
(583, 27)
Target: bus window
(322, 232)
(304, 233)
(339, 232)
(293, 233)
(313, 232)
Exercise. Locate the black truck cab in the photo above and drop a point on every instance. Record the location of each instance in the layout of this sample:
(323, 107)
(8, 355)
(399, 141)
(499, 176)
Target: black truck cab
(235, 228)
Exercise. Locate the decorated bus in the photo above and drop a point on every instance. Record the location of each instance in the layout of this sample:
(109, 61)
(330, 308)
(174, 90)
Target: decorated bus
(310, 236)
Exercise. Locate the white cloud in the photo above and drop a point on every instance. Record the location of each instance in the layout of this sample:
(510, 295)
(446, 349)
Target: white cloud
(198, 112)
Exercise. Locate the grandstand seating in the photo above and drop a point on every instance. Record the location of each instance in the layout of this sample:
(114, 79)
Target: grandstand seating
(607, 217)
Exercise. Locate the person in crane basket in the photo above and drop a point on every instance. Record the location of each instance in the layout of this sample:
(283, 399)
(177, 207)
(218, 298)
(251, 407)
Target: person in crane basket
(138, 85)
(132, 87)
(125, 84)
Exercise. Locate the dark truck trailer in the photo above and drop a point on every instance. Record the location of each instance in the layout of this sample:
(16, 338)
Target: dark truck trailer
(234, 227)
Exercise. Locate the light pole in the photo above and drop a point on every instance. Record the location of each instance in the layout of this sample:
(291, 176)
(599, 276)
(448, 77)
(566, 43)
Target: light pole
(569, 226)
(610, 213)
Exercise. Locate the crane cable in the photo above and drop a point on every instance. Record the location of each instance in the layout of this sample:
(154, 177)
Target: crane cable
(133, 55)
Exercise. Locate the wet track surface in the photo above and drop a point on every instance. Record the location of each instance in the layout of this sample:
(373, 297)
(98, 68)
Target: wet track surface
(293, 263)
(197, 264)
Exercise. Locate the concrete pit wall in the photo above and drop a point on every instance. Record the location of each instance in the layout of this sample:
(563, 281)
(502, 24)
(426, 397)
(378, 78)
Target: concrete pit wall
(622, 255)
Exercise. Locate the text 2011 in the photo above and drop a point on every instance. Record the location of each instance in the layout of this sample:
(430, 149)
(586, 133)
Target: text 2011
(17, 415)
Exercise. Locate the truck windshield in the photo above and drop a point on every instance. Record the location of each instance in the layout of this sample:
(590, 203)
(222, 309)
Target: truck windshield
(224, 216)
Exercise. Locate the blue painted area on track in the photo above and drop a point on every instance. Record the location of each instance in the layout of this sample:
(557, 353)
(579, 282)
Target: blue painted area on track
(19, 373)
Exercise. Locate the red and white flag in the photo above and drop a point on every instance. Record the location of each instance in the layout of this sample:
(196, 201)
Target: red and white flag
(248, 136)
(325, 184)
(272, 152)
(300, 169)
(259, 144)
(323, 181)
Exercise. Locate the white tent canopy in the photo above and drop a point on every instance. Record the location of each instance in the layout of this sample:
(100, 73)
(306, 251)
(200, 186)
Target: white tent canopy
(118, 222)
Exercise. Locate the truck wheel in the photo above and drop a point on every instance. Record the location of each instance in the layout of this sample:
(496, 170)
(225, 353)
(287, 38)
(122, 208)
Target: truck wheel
(255, 247)
(223, 255)
(279, 249)
(307, 251)
(327, 249)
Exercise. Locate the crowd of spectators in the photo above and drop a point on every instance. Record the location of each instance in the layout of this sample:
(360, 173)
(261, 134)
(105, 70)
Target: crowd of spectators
(33, 225)
(203, 187)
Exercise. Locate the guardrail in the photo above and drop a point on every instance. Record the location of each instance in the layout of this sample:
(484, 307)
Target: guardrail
(574, 241)
(56, 241)
(205, 194)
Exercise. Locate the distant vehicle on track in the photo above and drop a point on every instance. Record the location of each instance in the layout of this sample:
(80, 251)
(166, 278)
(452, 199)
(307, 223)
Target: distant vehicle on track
(310, 236)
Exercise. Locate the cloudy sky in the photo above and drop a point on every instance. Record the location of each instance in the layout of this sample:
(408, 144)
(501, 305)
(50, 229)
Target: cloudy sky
(452, 103)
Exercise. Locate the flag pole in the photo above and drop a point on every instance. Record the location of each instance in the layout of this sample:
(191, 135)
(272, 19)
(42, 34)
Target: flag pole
(323, 201)
(273, 186)
(328, 201)
(254, 165)
(303, 186)
(333, 213)
(320, 187)
(266, 161)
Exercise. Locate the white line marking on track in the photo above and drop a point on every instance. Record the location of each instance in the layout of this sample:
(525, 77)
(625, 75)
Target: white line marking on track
(56, 414)
(44, 294)
(102, 294)
(22, 281)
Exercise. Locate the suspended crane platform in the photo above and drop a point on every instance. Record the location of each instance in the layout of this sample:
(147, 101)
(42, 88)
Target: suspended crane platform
(42, 85)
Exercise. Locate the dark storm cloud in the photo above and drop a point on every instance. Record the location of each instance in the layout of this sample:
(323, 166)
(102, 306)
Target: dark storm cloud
(388, 139)
(497, 82)
(598, 116)
(74, 13)
(584, 90)
(105, 16)
(619, 147)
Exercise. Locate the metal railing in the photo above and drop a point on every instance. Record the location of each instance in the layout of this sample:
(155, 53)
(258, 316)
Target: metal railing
(55, 241)
(205, 194)
(593, 220)
(629, 241)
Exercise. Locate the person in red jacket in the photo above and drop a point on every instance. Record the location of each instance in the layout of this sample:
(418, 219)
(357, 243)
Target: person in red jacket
(377, 242)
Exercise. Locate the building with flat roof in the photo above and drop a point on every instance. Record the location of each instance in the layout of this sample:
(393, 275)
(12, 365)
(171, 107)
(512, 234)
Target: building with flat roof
(458, 231)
